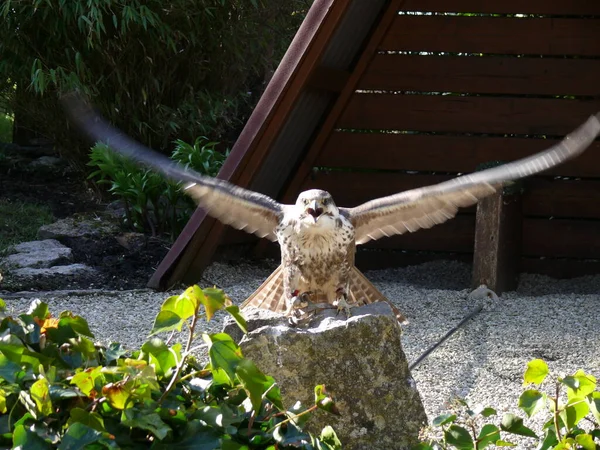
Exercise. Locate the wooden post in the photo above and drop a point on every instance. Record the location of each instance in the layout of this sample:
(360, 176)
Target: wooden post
(498, 233)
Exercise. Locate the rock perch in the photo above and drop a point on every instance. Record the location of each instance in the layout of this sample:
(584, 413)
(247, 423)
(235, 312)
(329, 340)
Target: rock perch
(361, 362)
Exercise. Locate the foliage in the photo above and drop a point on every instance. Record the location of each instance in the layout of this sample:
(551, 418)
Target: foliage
(19, 221)
(6, 127)
(157, 70)
(59, 390)
(572, 410)
(151, 202)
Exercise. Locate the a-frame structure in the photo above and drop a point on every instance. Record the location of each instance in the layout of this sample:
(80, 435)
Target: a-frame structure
(378, 96)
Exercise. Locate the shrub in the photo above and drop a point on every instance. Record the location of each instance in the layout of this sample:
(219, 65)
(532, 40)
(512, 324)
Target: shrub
(571, 407)
(59, 390)
(157, 70)
(151, 202)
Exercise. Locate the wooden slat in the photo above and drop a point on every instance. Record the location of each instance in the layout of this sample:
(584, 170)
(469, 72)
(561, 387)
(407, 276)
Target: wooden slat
(442, 153)
(445, 113)
(483, 75)
(542, 197)
(559, 268)
(520, 36)
(557, 7)
(561, 238)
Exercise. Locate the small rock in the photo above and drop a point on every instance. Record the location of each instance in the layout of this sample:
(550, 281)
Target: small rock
(46, 162)
(77, 227)
(132, 241)
(361, 362)
(38, 254)
(67, 271)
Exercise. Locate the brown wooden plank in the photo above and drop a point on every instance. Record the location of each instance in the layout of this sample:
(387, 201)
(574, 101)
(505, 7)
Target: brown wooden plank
(557, 7)
(562, 198)
(329, 79)
(459, 114)
(520, 36)
(561, 238)
(560, 268)
(373, 259)
(497, 249)
(442, 153)
(484, 75)
(542, 197)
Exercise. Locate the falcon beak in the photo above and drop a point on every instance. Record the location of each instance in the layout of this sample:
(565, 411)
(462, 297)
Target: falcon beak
(314, 211)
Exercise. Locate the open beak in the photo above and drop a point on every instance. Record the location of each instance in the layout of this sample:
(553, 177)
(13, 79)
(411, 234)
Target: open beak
(314, 210)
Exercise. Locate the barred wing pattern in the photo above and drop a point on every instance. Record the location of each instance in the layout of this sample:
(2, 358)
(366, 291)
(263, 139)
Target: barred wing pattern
(241, 208)
(428, 206)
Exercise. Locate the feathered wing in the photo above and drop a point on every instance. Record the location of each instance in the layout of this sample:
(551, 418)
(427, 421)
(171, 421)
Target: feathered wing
(241, 208)
(431, 205)
(270, 294)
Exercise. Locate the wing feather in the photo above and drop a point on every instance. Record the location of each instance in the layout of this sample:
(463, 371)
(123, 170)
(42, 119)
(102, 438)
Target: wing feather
(431, 205)
(241, 208)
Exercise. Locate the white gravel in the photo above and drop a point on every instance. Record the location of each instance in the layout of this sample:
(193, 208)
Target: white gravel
(556, 320)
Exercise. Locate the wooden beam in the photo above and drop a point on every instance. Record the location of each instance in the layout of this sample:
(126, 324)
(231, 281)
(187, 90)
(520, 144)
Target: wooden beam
(498, 232)
(329, 79)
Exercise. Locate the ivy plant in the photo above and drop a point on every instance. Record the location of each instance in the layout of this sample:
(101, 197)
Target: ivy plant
(60, 390)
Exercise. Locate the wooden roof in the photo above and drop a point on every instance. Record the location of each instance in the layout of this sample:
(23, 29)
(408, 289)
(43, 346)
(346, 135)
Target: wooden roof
(367, 85)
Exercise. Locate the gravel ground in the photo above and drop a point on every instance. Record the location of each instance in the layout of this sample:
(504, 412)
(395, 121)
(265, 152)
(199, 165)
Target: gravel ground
(556, 320)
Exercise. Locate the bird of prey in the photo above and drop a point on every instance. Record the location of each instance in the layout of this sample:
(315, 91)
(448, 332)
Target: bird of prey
(318, 239)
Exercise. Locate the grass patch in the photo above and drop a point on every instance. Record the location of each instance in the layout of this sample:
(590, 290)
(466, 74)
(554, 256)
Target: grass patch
(19, 222)
(6, 127)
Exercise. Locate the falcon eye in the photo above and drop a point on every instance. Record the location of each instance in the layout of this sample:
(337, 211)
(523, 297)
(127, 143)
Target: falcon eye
(325, 201)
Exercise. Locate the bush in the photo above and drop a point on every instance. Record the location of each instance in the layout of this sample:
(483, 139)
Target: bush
(59, 390)
(571, 406)
(151, 202)
(158, 71)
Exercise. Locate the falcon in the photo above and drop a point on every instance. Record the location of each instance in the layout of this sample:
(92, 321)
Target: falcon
(318, 239)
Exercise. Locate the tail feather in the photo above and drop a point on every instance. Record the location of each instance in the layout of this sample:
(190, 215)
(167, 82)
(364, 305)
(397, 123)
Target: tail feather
(270, 294)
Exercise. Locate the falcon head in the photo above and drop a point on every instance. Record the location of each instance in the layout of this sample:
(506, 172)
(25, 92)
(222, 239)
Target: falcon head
(316, 207)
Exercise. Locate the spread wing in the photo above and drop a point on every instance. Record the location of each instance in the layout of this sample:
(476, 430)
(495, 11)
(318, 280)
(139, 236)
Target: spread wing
(235, 206)
(428, 206)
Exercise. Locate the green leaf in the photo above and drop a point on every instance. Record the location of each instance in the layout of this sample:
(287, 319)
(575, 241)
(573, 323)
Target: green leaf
(536, 373)
(489, 434)
(532, 401)
(80, 436)
(501, 443)
(8, 369)
(549, 440)
(86, 380)
(164, 358)
(258, 385)
(443, 419)
(586, 441)
(118, 394)
(234, 311)
(459, 437)
(514, 424)
(24, 438)
(576, 409)
(114, 351)
(329, 437)
(223, 353)
(87, 418)
(580, 384)
(38, 309)
(488, 412)
(174, 312)
(149, 422)
(594, 399)
(213, 300)
(40, 393)
(324, 401)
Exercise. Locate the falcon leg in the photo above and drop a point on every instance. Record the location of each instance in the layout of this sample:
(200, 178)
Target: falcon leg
(341, 302)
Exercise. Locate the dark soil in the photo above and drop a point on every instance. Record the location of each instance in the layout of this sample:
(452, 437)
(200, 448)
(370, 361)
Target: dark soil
(66, 192)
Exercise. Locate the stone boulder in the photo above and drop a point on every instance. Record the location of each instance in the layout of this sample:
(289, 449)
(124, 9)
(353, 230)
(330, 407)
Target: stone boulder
(360, 361)
(78, 227)
(38, 254)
